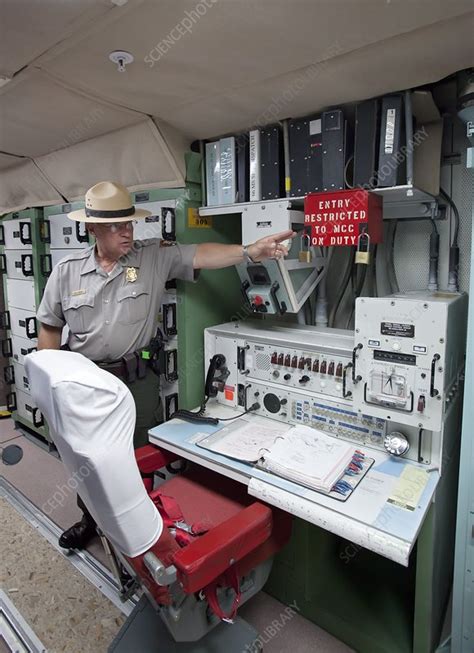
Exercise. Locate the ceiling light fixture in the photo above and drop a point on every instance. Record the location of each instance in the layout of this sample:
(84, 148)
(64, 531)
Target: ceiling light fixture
(121, 58)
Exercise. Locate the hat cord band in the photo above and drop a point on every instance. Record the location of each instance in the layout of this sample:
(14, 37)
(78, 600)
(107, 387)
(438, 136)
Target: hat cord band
(119, 213)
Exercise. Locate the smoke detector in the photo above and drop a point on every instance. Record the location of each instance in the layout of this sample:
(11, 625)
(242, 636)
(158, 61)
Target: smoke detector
(121, 58)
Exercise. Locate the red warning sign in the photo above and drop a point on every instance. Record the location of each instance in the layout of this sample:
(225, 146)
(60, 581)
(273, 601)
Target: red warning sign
(339, 218)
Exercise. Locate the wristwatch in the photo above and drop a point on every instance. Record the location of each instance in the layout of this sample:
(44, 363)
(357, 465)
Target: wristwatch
(246, 255)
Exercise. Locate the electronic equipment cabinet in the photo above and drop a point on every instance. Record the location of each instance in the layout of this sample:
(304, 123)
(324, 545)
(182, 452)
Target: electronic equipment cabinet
(23, 237)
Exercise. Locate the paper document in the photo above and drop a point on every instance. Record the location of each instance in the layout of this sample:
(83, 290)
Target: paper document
(406, 494)
(310, 457)
(244, 440)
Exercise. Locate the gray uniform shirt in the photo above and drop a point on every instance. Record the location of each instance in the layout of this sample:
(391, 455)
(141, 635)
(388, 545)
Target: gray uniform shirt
(112, 314)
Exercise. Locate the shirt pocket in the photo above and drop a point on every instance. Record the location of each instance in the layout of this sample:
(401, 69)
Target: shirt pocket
(79, 312)
(133, 304)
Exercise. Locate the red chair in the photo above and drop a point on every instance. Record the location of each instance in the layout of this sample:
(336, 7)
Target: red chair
(215, 551)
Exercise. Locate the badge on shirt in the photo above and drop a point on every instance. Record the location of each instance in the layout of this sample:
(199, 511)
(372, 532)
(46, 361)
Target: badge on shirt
(131, 274)
(81, 291)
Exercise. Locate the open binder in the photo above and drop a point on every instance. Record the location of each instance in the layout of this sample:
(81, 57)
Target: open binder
(301, 454)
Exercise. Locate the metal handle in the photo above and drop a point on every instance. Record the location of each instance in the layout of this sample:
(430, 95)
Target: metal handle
(27, 265)
(3, 263)
(31, 327)
(168, 231)
(7, 348)
(170, 330)
(45, 231)
(171, 365)
(355, 379)
(25, 233)
(348, 393)
(38, 419)
(2, 235)
(5, 320)
(171, 405)
(46, 264)
(9, 375)
(273, 293)
(433, 391)
(81, 238)
(11, 401)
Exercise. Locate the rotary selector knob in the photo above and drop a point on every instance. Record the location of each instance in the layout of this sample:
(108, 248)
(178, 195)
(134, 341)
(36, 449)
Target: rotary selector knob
(396, 443)
(304, 379)
(271, 403)
(276, 374)
(287, 377)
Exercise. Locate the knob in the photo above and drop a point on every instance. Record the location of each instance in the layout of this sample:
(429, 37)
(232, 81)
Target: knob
(396, 443)
(282, 414)
(276, 374)
(283, 402)
(256, 394)
(287, 377)
(304, 379)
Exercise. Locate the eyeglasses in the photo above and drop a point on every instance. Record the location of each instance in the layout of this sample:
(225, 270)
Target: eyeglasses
(115, 227)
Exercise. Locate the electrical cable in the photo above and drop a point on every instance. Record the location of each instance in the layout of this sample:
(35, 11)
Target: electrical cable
(453, 271)
(343, 287)
(455, 211)
(200, 418)
(374, 270)
(348, 162)
(434, 258)
(392, 276)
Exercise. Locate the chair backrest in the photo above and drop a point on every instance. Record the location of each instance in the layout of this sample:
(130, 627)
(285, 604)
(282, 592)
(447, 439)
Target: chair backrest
(91, 416)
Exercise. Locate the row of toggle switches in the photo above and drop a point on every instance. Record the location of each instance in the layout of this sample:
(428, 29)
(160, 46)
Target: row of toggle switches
(303, 363)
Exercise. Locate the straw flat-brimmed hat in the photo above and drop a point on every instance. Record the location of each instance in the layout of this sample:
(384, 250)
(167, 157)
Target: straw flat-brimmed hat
(108, 202)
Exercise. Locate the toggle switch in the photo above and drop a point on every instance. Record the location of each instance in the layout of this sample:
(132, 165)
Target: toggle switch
(421, 403)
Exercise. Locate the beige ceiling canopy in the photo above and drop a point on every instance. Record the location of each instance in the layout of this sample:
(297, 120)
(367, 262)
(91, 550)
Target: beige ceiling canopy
(201, 68)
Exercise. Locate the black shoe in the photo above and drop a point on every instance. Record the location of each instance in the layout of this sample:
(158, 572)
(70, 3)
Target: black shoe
(78, 535)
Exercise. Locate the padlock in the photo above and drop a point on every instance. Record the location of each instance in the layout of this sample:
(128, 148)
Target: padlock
(305, 254)
(363, 246)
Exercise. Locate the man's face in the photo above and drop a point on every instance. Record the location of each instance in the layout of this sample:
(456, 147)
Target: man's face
(115, 239)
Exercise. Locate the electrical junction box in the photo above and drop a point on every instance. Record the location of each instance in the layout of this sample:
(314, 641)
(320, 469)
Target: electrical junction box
(409, 356)
(341, 217)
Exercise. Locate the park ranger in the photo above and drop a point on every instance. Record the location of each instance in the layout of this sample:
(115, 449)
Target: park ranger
(109, 296)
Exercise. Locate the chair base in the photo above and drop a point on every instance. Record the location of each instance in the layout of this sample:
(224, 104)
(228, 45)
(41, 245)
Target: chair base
(144, 631)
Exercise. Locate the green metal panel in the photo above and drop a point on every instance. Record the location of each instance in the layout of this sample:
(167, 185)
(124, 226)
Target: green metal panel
(361, 598)
(214, 298)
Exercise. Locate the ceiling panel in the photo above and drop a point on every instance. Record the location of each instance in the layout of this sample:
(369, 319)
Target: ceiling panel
(22, 184)
(403, 62)
(233, 44)
(38, 115)
(30, 27)
(136, 156)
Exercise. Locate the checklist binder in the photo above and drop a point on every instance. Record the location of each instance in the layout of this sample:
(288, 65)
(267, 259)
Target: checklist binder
(366, 143)
(272, 163)
(333, 131)
(228, 171)
(392, 166)
(255, 180)
(213, 173)
(243, 167)
(306, 166)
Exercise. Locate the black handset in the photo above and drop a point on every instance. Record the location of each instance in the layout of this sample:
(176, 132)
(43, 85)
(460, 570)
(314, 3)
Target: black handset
(217, 363)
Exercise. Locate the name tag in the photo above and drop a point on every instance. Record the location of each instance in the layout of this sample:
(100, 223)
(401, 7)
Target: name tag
(81, 291)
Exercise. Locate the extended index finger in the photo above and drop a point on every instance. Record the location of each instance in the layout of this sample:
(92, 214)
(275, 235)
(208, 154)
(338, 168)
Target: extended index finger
(284, 235)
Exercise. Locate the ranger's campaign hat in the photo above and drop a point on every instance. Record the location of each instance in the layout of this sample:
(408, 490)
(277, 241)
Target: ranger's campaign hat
(108, 201)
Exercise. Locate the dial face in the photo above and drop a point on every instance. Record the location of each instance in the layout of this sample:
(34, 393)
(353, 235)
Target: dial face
(396, 443)
(271, 403)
